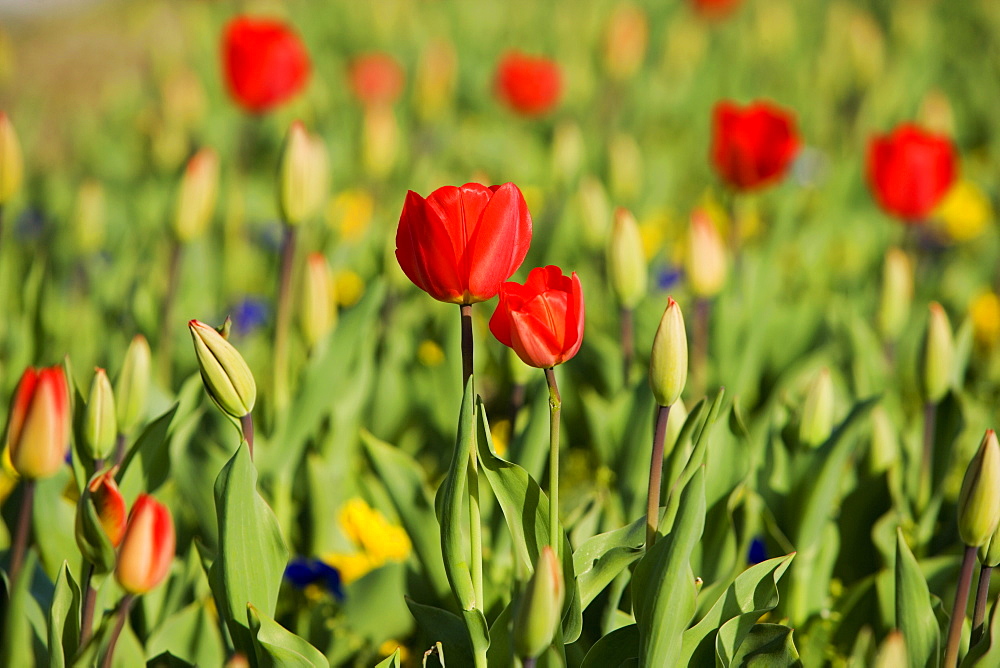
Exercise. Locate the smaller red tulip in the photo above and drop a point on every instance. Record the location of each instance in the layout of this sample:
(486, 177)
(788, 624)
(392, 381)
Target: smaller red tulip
(714, 9)
(147, 548)
(376, 79)
(910, 170)
(529, 85)
(39, 426)
(752, 146)
(265, 63)
(541, 320)
(109, 505)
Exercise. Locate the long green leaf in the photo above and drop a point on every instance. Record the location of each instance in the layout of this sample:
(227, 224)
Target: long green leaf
(767, 646)
(147, 464)
(277, 647)
(64, 619)
(446, 628)
(914, 612)
(454, 544)
(614, 649)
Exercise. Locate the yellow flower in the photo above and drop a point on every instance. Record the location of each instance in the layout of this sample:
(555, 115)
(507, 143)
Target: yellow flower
(350, 566)
(965, 211)
(378, 541)
(985, 314)
(350, 212)
(500, 433)
(390, 646)
(348, 287)
(430, 353)
(652, 231)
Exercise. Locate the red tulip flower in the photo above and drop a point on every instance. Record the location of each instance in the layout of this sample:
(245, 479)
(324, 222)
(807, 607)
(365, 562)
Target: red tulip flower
(459, 244)
(376, 79)
(39, 426)
(147, 548)
(910, 171)
(752, 146)
(265, 63)
(714, 9)
(542, 320)
(529, 85)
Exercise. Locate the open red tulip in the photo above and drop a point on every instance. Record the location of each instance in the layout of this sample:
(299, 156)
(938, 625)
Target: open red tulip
(529, 85)
(459, 244)
(752, 146)
(542, 320)
(265, 63)
(910, 170)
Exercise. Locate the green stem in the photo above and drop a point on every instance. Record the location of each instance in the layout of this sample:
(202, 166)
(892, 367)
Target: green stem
(120, 443)
(123, 610)
(20, 544)
(283, 320)
(628, 347)
(89, 600)
(982, 597)
(927, 460)
(655, 474)
(166, 324)
(475, 521)
(958, 610)
(555, 408)
(246, 424)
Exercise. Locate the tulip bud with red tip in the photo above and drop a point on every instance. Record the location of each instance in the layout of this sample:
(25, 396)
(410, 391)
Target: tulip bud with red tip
(11, 160)
(542, 320)
(109, 504)
(39, 425)
(100, 521)
(265, 63)
(752, 146)
(910, 171)
(529, 85)
(376, 79)
(714, 9)
(147, 548)
(460, 244)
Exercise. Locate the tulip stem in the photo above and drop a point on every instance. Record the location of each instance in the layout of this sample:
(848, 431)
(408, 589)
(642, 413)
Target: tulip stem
(284, 307)
(123, 609)
(467, 352)
(529, 662)
(927, 461)
(655, 474)
(89, 599)
(120, 444)
(958, 610)
(475, 521)
(23, 529)
(246, 424)
(166, 324)
(982, 597)
(555, 408)
(628, 347)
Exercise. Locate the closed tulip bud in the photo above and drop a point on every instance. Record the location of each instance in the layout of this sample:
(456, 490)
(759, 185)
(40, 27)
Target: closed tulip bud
(626, 260)
(979, 500)
(101, 426)
(539, 609)
(132, 388)
(817, 412)
(89, 217)
(706, 265)
(435, 80)
(625, 41)
(380, 141)
(668, 363)
(39, 425)
(147, 547)
(897, 294)
(196, 199)
(625, 168)
(938, 355)
(303, 175)
(595, 211)
(567, 151)
(100, 520)
(319, 311)
(885, 442)
(11, 161)
(892, 653)
(226, 375)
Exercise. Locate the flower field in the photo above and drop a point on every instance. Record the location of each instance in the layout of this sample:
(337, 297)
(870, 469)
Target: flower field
(609, 333)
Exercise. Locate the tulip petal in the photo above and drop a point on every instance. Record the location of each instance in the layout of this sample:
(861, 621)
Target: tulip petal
(499, 242)
(532, 342)
(426, 252)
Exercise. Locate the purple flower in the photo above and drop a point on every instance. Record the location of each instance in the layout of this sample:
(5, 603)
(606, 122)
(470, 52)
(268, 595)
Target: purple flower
(305, 571)
(249, 314)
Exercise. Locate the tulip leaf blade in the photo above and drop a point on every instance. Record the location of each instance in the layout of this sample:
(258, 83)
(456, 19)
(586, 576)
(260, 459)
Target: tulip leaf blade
(147, 464)
(275, 646)
(614, 649)
(444, 627)
(914, 610)
(64, 619)
(391, 661)
(767, 646)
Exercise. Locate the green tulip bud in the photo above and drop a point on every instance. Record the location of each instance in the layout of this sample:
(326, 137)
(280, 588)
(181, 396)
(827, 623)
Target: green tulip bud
(567, 151)
(892, 653)
(132, 388)
(100, 429)
(897, 294)
(626, 260)
(979, 500)
(89, 217)
(319, 311)
(938, 355)
(302, 176)
(624, 166)
(595, 210)
(539, 609)
(668, 363)
(884, 448)
(379, 140)
(706, 263)
(226, 375)
(817, 413)
(11, 160)
(196, 199)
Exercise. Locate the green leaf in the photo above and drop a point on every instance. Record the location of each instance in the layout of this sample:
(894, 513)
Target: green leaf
(189, 634)
(23, 644)
(767, 646)
(64, 619)
(252, 554)
(391, 661)
(501, 652)
(614, 649)
(663, 586)
(277, 647)
(737, 609)
(375, 606)
(454, 544)
(600, 559)
(987, 651)
(147, 464)
(167, 660)
(526, 509)
(53, 517)
(914, 612)
(447, 628)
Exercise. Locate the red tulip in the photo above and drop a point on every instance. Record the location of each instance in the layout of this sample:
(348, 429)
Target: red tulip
(109, 505)
(39, 426)
(541, 320)
(714, 9)
(376, 79)
(910, 171)
(147, 548)
(529, 85)
(752, 147)
(265, 63)
(460, 244)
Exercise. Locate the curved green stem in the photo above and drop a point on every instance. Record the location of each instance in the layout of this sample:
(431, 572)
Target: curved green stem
(982, 598)
(555, 408)
(958, 610)
(20, 544)
(123, 610)
(475, 521)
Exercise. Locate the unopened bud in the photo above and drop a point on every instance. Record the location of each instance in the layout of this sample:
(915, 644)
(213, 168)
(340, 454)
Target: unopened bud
(11, 160)
(625, 168)
(979, 500)
(706, 263)
(668, 363)
(817, 412)
(147, 548)
(938, 355)
(567, 151)
(303, 175)
(101, 427)
(39, 425)
(897, 294)
(196, 199)
(380, 140)
(539, 609)
(626, 260)
(89, 217)
(595, 211)
(625, 42)
(884, 448)
(892, 653)
(319, 310)
(100, 520)
(226, 375)
(435, 80)
(132, 388)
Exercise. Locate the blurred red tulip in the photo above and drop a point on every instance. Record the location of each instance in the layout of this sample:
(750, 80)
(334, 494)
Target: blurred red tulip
(752, 146)
(460, 244)
(147, 548)
(265, 63)
(39, 426)
(714, 9)
(109, 505)
(376, 79)
(542, 320)
(529, 85)
(910, 171)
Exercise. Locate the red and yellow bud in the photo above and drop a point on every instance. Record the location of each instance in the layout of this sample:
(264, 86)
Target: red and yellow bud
(706, 266)
(196, 199)
(11, 160)
(39, 425)
(110, 505)
(147, 548)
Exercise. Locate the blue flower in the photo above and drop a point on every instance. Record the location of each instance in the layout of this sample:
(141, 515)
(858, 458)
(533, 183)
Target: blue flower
(757, 552)
(303, 572)
(668, 276)
(249, 314)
